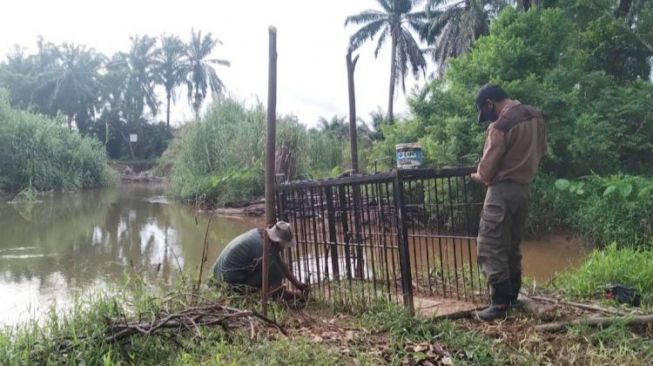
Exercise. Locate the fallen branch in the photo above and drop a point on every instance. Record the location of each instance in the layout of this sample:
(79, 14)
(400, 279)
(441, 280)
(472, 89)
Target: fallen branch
(580, 305)
(542, 312)
(190, 319)
(459, 314)
(597, 322)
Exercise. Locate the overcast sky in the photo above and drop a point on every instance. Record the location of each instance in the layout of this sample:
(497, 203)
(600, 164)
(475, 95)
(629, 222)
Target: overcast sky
(312, 43)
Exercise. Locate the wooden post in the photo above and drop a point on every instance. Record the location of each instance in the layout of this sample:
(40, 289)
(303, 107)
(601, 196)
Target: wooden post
(353, 138)
(353, 142)
(270, 216)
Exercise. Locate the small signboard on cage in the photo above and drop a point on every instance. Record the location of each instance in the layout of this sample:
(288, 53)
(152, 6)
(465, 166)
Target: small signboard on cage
(409, 156)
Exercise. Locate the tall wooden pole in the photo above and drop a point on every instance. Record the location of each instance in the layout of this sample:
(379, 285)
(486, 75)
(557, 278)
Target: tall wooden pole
(353, 138)
(353, 141)
(270, 216)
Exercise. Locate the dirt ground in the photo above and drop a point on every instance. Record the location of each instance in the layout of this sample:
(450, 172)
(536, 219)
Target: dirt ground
(516, 338)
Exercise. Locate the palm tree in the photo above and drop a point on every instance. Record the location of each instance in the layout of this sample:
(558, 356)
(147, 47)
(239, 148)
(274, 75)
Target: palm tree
(397, 21)
(202, 76)
(71, 84)
(336, 127)
(18, 75)
(141, 64)
(171, 67)
(453, 26)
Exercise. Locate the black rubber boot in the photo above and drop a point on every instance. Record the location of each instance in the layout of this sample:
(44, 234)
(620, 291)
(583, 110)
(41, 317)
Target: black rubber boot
(515, 282)
(501, 294)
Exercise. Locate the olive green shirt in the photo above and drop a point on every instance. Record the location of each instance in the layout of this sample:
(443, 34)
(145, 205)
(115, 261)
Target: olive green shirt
(240, 262)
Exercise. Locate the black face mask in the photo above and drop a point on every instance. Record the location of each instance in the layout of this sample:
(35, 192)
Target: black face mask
(490, 115)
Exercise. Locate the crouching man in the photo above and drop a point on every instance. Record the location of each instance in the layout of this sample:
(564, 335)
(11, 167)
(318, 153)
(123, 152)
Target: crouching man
(240, 264)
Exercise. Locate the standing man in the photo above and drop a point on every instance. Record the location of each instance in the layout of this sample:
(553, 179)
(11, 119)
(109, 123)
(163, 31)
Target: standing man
(514, 145)
(241, 261)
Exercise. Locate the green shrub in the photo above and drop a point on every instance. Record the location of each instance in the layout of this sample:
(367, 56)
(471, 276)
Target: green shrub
(220, 158)
(228, 139)
(602, 209)
(37, 152)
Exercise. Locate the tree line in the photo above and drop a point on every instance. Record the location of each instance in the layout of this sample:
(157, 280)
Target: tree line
(114, 96)
(449, 29)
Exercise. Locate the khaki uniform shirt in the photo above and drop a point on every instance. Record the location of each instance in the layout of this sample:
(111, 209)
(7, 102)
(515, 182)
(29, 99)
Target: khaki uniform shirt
(514, 145)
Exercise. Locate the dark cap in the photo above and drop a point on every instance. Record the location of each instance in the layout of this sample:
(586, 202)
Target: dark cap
(488, 91)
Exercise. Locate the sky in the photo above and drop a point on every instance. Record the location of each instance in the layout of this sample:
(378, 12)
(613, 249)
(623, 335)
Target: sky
(311, 43)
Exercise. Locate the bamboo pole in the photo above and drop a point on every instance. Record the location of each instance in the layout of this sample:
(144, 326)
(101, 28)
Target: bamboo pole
(270, 216)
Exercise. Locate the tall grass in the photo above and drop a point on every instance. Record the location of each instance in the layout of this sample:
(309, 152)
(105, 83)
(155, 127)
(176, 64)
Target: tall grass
(37, 152)
(220, 157)
(80, 336)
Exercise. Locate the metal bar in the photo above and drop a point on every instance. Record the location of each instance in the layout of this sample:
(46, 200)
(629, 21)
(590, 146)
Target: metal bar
(382, 177)
(440, 228)
(392, 256)
(404, 253)
(453, 232)
(331, 219)
(304, 237)
(468, 231)
(345, 231)
(324, 242)
(428, 212)
(381, 239)
(313, 230)
(360, 260)
(353, 243)
(369, 238)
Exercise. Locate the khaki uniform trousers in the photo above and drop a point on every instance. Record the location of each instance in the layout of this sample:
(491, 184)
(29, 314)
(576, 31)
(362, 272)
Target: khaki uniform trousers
(501, 229)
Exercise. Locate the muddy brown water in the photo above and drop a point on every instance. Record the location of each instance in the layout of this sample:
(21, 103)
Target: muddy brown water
(72, 244)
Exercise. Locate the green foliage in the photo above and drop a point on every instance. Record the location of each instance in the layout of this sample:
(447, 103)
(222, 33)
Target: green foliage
(113, 97)
(38, 153)
(220, 158)
(603, 209)
(226, 146)
(612, 265)
(598, 118)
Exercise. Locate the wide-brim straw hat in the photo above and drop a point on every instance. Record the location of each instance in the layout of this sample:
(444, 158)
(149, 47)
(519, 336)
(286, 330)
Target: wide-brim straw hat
(281, 233)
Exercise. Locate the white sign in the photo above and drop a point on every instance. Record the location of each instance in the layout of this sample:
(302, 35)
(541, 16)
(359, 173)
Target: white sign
(133, 137)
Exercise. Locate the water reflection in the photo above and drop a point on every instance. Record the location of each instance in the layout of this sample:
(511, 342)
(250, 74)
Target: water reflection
(73, 243)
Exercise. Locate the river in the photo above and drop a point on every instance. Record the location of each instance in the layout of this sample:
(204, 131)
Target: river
(71, 244)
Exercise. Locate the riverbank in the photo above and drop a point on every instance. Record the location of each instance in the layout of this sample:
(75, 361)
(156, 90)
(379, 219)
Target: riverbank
(317, 334)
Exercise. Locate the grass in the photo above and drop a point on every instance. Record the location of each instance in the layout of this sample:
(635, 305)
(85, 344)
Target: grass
(361, 331)
(219, 159)
(612, 265)
(39, 153)
(464, 346)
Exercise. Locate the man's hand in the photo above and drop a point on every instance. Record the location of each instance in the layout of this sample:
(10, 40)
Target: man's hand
(477, 178)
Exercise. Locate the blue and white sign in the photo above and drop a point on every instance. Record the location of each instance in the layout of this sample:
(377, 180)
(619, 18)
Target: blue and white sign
(409, 156)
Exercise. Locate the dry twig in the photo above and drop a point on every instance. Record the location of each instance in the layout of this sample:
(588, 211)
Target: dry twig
(579, 305)
(191, 319)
